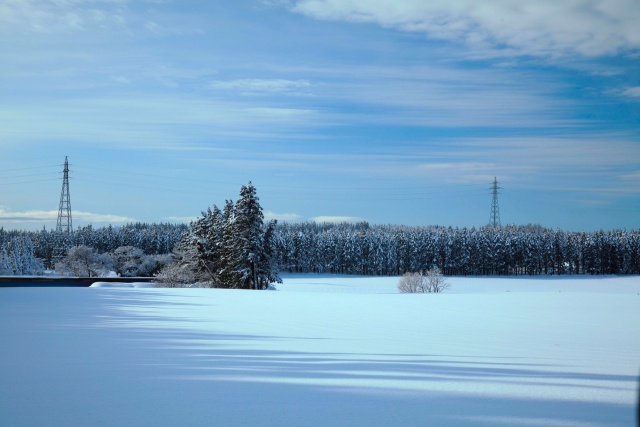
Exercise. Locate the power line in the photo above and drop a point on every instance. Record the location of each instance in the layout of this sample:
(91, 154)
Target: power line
(30, 182)
(33, 174)
(27, 168)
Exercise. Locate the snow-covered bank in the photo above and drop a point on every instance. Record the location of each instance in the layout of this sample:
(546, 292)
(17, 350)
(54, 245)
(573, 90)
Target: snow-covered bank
(122, 285)
(324, 350)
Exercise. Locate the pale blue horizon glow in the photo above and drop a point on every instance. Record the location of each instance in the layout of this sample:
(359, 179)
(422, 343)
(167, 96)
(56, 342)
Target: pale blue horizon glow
(336, 110)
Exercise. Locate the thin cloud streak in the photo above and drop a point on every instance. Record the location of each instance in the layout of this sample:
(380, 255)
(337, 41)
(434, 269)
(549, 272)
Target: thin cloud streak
(263, 86)
(148, 122)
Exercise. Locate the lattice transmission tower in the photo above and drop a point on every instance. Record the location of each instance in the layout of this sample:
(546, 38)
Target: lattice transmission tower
(65, 223)
(494, 220)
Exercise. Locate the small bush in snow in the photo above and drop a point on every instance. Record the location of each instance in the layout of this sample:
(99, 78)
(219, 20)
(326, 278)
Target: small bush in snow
(431, 282)
(410, 282)
(436, 281)
(83, 261)
(175, 276)
(129, 261)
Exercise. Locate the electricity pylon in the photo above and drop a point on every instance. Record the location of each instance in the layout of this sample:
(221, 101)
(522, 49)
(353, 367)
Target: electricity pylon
(494, 220)
(65, 223)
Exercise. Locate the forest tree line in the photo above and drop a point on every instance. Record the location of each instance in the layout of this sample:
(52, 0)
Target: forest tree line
(363, 248)
(510, 250)
(31, 252)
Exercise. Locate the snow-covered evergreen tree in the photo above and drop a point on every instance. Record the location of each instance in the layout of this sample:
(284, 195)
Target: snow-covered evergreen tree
(17, 257)
(249, 257)
(232, 248)
(6, 267)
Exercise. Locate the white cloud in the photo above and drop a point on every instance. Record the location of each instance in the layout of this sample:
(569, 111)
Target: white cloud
(101, 218)
(48, 16)
(268, 215)
(121, 80)
(263, 86)
(52, 216)
(632, 176)
(28, 216)
(541, 28)
(632, 92)
(337, 219)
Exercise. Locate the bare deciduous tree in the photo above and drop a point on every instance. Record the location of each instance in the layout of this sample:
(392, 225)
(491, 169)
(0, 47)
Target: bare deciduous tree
(175, 276)
(431, 282)
(410, 283)
(436, 282)
(83, 261)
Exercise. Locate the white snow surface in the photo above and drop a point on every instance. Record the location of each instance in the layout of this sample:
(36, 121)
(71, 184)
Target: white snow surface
(122, 285)
(324, 350)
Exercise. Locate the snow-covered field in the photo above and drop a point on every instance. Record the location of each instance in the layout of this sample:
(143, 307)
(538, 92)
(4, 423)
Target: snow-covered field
(324, 351)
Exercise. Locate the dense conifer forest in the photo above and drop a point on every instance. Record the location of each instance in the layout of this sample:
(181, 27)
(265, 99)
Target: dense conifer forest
(511, 250)
(365, 249)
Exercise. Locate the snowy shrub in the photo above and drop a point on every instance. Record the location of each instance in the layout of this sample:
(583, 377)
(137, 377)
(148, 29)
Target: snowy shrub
(175, 276)
(129, 261)
(83, 261)
(431, 282)
(436, 282)
(410, 282)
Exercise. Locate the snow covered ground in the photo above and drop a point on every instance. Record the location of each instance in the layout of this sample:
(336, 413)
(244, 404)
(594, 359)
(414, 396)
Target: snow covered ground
(324, 350)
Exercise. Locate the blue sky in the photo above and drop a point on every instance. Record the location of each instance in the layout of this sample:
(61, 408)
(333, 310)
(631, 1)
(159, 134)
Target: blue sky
(396, 112)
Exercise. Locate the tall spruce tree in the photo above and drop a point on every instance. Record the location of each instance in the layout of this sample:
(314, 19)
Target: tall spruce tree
(249, 249)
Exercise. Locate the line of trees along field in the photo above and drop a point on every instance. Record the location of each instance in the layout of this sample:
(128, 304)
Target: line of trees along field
(511, 250)
(366, 249)
(31, 252)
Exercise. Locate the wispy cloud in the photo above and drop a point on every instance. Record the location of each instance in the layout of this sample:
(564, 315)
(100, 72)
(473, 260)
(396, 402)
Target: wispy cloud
(101, 218)
(92, 17)
(263, 86)
(633, 177)
(49, 16)
(52, 216)
(632, 92)
(268, 215)
(155, 122)
(575, 162)
(541, 28)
